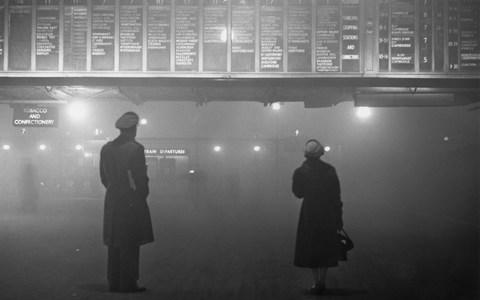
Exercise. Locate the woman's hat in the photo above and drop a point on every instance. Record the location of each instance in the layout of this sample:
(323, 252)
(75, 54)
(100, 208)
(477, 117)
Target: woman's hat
(313, 148)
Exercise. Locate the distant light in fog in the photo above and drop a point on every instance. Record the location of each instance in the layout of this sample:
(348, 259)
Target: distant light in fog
(257, 148)
(98, 131)
(78, 147)
(191, 171)
(446, 138)
(327, 148)
(42, 147)
(143, 121)
(297, 132)
(217, 148)
(363, 112)
(276, 106)
(6, 147)
(77, 111)
(87, 154)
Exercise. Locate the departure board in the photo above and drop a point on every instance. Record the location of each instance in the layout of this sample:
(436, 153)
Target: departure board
(271, 36)
(215, 17)
(350, 35)
(469, 33)
(20, 35)
(327, 48)
(383, 36)
(299, 36)
(103, 35)
(402, 35)
(243, 35)
(241, 38)
(131, 35)
(187, 35)
(158, 35)
(425, 32)
(2, 37)
(47, 35)
(75, 29)
(439, 35)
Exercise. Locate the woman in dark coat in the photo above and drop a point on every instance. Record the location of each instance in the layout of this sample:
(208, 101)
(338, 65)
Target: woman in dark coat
(320, 217)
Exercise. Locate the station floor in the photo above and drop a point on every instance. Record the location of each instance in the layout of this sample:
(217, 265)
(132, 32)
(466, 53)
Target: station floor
(214, 253)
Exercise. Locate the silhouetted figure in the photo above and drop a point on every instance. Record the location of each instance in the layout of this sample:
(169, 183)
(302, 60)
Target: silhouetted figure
(28, 188)
(127, 223)
(320, 217)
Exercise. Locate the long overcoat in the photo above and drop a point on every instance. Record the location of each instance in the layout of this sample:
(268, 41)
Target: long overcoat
(320, 216)
(123, 172)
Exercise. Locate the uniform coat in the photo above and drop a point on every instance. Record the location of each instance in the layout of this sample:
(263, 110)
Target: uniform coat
(127, 221)
(320, 215)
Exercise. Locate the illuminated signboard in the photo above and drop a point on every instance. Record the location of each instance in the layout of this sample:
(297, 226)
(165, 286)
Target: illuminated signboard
(305, 38)
(165, 152)
(35, 116)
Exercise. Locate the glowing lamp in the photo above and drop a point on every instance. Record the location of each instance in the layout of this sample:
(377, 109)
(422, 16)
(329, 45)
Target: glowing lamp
(363, 112)
(276, 106)
(77, 111)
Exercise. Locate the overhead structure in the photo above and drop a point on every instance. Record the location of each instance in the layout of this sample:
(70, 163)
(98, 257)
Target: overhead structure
(320, 52)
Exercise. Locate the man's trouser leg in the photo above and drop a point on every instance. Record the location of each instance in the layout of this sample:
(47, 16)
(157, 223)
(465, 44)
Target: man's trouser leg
(123, 268)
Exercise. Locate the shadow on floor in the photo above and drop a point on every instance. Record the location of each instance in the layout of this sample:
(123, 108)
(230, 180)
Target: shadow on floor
(340, 292)
(94, 287)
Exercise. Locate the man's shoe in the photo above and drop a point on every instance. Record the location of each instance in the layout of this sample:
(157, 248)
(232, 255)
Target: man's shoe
(138, 289)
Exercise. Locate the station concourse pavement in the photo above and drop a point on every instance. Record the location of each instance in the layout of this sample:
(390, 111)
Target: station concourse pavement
(207, 253)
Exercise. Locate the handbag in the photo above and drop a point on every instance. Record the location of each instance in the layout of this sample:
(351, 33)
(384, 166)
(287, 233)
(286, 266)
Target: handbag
(345, 244)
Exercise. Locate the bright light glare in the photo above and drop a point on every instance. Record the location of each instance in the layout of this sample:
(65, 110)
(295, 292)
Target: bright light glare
(446, 138)
(217, 148)
(191, 171)
(6, 147)
(87, 154)
(223, 35)
(77, 111)
(78, 147)
(143, 121)
(363, 112)
(257, 148)
(42, 147)
(276, 106)
(297, 132)
(327, 148)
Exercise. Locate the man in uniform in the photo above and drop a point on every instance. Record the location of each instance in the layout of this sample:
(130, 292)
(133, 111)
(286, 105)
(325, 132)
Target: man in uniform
(127, 224)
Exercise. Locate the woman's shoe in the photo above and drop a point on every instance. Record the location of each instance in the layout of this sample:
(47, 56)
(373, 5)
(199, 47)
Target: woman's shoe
(317, 289)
